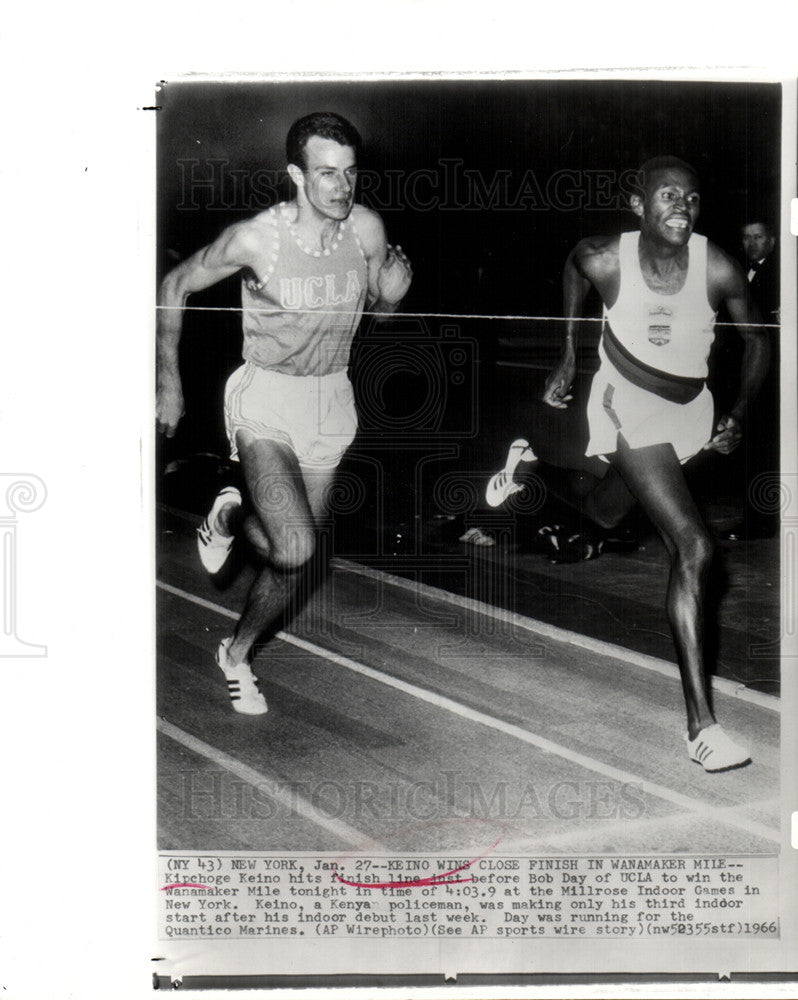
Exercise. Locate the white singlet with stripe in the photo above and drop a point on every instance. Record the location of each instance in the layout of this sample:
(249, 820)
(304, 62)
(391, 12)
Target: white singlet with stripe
(672, 333)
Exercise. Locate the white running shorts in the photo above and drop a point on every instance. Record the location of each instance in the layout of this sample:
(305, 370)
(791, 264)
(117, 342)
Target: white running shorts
(313, 414)
(617, 407)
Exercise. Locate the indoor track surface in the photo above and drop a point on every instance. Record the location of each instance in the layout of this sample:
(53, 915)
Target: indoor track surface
(405, 719)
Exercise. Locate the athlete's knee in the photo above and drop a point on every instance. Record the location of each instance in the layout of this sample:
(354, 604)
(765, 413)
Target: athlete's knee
(292, 548)
(703, 549)
(287, 548)
(694, 551)
(257, 537)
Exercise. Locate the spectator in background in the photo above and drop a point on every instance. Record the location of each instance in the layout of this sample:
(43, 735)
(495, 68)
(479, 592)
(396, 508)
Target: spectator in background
(762, 261)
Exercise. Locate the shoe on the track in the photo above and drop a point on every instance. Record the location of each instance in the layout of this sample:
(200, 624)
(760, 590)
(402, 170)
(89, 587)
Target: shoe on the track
(714, 751)
(214, 548)
(560, 545)
(241, 685)
(476, 536)
(501, 485)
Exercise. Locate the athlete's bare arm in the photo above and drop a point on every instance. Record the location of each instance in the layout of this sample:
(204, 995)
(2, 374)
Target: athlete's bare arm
(243, 245)
(593, 261)
(389, 270)
(726, 284)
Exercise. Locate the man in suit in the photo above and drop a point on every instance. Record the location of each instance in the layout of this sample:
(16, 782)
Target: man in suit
(761, 257)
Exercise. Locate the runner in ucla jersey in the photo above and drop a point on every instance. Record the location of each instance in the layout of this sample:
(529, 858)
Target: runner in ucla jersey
(300, 315)
(309, 267)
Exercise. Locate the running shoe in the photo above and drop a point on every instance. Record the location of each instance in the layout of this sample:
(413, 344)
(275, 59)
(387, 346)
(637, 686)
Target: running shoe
(501, 485)
(214, 548)
(560, 545)
(476, 536)
(241, 684)
(714, 751)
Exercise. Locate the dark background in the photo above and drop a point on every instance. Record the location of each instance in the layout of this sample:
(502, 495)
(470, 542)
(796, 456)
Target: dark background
(221, 159)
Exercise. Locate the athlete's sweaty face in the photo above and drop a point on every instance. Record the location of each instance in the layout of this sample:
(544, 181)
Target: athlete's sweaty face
(757, 244)
(329, 177)
(670, 205)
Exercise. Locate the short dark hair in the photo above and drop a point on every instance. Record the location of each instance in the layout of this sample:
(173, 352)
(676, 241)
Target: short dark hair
(770, 230)
(660, 163)
(327, 125)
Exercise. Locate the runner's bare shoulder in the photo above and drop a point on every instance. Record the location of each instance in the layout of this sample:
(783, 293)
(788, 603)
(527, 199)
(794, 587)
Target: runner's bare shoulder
(596, 257)
(255, 241)
(369, 227)
(724, 274)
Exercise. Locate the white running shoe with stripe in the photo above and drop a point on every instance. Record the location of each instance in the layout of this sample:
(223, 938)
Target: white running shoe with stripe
(715, 751)
(476, 536)
(501, 485)
(214, 548)
(241, 684)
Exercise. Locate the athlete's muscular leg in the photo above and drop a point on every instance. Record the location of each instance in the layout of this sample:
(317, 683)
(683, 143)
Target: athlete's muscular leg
(606, 501)
(281, 529)
(566, 473)
(655, 477)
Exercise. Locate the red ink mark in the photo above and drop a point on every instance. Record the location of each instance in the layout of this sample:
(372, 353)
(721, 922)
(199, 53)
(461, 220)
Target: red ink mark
(442, 879)
(432, 880)
(185, 885)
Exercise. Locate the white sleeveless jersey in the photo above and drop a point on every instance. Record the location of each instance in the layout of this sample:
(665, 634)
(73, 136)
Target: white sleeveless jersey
(672, 333)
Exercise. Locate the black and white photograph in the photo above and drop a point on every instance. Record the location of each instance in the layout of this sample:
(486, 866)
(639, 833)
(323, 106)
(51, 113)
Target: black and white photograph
(468, 513)
(398, 501)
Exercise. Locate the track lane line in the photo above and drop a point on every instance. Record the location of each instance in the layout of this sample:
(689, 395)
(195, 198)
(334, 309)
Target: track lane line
(293, 802)
(508, 729)
(620, 828)
(664, 667)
